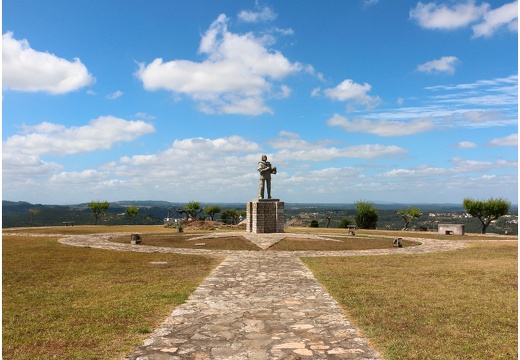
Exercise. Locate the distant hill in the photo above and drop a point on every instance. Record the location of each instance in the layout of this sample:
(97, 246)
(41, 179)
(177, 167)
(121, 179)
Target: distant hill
(153, 212)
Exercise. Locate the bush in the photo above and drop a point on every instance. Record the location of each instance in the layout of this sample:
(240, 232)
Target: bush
(343, 223)
(314, 223)
(367, 216)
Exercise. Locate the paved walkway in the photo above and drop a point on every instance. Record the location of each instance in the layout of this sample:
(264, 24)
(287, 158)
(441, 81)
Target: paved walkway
(257, 305)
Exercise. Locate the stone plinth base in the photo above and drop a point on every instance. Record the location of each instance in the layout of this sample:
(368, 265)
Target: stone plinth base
(265, 216)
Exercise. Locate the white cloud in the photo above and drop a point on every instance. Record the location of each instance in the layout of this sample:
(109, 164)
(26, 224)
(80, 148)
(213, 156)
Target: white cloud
(483, 103)
(235, 78)
(288, 134)
(466, 145)
(285, 92)
(21, 166)
(101, 134)
(220, 145)
(423, 171)
(228, 165)
(445, 17)
(352, 92)
(460, 166)
(505, 16)
(315, 92)
(85, 178)
(465, 165)
(433, 16)
(264, 14)
(286, 32)
(115, 95)
(25, 69)
(222, 166)
(224, 170)
(144, 116)
(511, 140)
(478, 116)
(367, 3)
(445, 64)
(297, 152)
(382, 127)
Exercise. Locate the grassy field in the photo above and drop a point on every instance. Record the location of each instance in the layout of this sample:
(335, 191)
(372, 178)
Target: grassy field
(67, 302)
(344, 243)
(454, 305)
(182, 240)
(64, 302)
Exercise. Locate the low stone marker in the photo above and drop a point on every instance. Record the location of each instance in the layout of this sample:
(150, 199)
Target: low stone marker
(398, 242)
(135, 239)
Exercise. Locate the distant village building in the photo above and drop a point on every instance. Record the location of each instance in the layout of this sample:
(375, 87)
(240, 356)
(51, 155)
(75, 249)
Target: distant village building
(451, 229)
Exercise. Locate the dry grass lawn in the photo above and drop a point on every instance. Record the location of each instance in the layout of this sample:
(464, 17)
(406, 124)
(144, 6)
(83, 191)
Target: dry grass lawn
(67, 302)
(454, 305)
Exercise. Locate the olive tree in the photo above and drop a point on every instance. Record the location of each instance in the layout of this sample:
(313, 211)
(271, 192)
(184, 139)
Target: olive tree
(229, 215)
(98, 208)
(486, 211)
(212, 210)
(409, 215)
(131, 211)
(33, 212)
(367, 216)
(191, 210)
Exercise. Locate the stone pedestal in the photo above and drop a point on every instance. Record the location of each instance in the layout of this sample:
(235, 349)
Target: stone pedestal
(265, 216)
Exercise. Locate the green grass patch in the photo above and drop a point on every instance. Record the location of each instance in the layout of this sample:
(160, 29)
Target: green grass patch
(182, 240)
(65, 302)
(451, 305)
(344, 243)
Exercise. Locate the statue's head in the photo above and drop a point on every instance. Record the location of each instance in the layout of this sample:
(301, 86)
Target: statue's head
(264, 157)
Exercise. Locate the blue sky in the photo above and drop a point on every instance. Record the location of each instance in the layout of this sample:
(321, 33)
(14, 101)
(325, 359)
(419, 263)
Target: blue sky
(377, 100)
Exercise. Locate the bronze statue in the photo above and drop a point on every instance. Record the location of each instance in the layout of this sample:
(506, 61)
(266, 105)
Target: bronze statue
(265, 169)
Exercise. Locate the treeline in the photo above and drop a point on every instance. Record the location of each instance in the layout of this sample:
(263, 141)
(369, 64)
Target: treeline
(24, 214)
(478, 216)
(21, 214)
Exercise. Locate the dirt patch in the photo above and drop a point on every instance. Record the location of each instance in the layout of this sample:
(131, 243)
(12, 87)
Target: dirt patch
(209, 225)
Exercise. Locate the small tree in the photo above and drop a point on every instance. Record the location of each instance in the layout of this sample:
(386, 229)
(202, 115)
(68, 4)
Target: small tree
(229, 215)
(98, 208)
(343, 223)
(191, 210)
(409, 215)
(212, 210)
(367, 216)
(315, 223)
(33, 213)
(328, 220)
(131, 211)
(486, 211)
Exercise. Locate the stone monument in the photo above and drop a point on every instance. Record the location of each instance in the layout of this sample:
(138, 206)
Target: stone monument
(265, 215)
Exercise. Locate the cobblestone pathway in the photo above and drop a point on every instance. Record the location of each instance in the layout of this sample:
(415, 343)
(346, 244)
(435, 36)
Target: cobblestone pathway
(257, 305)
